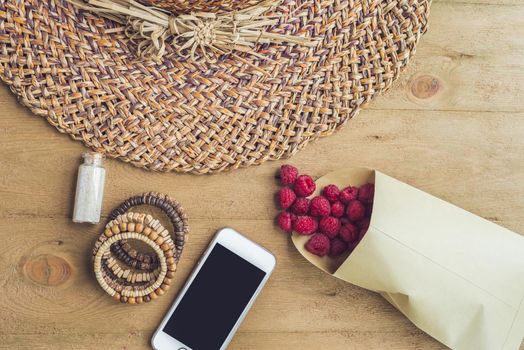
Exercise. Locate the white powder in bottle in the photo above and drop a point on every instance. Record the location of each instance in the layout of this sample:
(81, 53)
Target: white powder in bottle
(89, 189)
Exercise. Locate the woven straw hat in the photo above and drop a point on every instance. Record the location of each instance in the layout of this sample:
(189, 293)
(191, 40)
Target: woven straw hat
(202, 5)
(177, 111)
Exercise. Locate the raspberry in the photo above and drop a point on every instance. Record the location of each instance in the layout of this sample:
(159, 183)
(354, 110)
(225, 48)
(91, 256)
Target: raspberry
(301, 206)
(288, 174)
(305, 225)
(366, 193)
(362, 233)
(363, 224)
(304, 186)
(337, 209)
(319, 206)
(319, 245)
(369, 209)
(338, 247)
(348, 194)
(348, 233)
(355, 210)
(285, 221)
(329, 226)
(286, 196)
(331, 192)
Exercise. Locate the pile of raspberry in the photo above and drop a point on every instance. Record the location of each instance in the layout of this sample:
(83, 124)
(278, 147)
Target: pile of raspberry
(336, 220)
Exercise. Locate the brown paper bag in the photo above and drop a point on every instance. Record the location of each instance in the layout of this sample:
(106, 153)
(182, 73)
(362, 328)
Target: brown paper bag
(456, 276)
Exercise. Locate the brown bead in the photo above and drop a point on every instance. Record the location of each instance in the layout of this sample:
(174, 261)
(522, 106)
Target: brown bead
(158, 292)
(123, 226)
(153, 235)
(131, 300)
(108, 232)
(139, 300)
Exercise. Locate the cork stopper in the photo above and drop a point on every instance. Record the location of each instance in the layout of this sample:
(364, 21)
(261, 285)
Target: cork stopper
(93, 158)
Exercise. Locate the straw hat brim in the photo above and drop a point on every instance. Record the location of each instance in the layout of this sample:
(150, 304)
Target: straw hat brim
(68, 66)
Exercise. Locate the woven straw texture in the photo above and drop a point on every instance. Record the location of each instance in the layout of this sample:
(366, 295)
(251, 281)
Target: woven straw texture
(201, 5)
(177, 115)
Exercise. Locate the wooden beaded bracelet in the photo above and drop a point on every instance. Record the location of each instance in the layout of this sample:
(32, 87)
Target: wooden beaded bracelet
(169, 206)
(130, 276)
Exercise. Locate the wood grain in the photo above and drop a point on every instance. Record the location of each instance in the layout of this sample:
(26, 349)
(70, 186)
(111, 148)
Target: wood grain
(453, 126)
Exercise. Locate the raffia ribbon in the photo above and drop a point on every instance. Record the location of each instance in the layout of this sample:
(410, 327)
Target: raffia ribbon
(196, 36)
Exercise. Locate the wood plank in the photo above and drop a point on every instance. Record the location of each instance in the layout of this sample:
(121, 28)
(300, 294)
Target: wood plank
(452, 125)
(480, 162)
(470, 60)
(59, 300)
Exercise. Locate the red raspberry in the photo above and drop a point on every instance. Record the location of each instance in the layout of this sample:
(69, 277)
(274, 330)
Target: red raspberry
(353, 245)
(337, 209)
(304, 186)
(366, 193)
(348, 194)
(319, 206)
(369, 209)
(331, 192)
(348, 233)
(363, 224)
(362, 233)
(329, 226)
(301, 206)
(305, 225)
(285, 221)
(355, 210)
(338, 247)
(286, 197)
(288, 174)
(319, 245)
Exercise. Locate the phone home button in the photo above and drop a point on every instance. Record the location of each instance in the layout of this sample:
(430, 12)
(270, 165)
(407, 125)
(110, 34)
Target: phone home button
(182, 348)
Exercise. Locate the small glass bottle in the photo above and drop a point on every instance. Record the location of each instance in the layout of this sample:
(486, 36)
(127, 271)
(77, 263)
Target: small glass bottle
(89, 189)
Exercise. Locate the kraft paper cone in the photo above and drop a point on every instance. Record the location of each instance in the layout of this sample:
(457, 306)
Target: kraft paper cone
(456, 276)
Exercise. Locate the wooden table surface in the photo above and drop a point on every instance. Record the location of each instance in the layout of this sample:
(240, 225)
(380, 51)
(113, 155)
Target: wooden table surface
(453, 125)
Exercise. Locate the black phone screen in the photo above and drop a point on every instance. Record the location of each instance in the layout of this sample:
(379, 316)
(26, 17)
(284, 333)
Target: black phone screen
(215, 300)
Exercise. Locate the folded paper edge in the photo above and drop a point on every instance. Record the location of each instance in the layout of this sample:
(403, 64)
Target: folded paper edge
(516, 332)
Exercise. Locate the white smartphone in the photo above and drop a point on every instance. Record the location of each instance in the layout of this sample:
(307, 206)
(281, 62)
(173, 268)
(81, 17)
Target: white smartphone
(218, 294)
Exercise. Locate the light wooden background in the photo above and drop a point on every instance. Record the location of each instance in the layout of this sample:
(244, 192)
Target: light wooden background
(453, 125)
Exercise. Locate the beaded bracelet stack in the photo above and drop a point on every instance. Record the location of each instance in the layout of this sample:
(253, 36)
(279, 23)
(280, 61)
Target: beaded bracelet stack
(128, 275)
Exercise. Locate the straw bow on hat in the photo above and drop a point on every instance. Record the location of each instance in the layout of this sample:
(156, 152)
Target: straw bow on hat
(203, 86)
